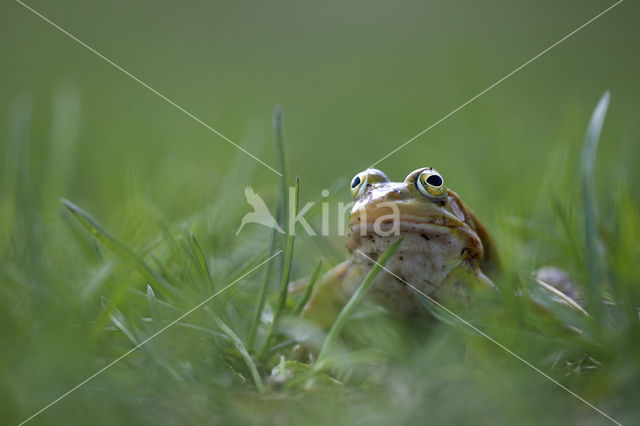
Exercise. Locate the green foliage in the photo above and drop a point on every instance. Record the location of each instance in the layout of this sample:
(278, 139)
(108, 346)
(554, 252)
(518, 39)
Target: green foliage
(215, 346)
(156, 198)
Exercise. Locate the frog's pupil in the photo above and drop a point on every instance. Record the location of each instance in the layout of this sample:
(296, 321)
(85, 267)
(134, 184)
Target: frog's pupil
(356, 182)
(434, 180)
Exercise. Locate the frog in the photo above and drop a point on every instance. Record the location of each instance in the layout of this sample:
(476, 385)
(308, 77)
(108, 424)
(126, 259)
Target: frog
(446, 255)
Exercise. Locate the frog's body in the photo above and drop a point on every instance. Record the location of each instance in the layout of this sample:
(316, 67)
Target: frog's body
(445, 253)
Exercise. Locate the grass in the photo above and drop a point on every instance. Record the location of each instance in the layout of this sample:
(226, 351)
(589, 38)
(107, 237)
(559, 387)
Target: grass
(77, 295)
(594, 288)
(284, 280)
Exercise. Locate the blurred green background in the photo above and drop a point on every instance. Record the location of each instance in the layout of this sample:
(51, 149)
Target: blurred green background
(355, 79)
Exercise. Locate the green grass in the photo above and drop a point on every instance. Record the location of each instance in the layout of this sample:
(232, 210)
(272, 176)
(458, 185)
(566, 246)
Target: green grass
(155, 199)
(78, 296)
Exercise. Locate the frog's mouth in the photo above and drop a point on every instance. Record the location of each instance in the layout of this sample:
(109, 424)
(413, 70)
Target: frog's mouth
(373, 225)
(391, 231)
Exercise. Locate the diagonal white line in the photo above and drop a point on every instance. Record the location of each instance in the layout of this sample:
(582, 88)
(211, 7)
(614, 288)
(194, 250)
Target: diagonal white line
(145, 85)
(494, 341)
(163, 329)
(496, 83)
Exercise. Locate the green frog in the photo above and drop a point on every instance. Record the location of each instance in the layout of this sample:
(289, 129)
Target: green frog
(447, 253)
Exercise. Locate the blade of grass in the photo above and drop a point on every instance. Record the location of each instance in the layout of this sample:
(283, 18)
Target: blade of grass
(153, 303)
(109, 306)
(282, 162)
(194, 267)
(96, 280)
(23, 199)
(282, 217)
(262, 297)
(351, 305)
(123, 325)
(308, 290)
(162, 268)
(65, 127)
(202, 261)
(242, 349)
(284, 282)
(159, 302)
(136, 336)
(588, 162)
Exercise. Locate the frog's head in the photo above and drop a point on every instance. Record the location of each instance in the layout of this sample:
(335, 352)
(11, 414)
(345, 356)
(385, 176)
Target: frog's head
(421, 208)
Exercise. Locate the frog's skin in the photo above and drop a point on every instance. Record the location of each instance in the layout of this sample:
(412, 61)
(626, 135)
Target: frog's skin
(447, 253)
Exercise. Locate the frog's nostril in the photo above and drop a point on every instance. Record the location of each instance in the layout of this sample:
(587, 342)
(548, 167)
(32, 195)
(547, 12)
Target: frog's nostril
(395, 194)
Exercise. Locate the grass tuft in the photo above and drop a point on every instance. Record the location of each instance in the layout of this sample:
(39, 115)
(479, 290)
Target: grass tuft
(117, 246)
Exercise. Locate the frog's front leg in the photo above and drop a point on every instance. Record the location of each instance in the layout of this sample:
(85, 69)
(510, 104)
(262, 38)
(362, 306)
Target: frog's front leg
(331, 293)
(460, 285)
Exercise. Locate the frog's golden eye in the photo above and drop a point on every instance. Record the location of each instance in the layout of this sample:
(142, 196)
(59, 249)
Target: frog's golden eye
(366, 179)
(431, 184)
(359, 184)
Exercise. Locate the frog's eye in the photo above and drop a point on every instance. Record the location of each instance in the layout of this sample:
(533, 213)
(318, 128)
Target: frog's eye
(359, 184)
(431, 184)
(363, 180)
